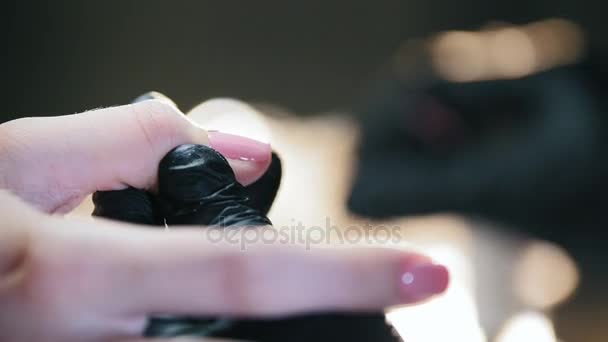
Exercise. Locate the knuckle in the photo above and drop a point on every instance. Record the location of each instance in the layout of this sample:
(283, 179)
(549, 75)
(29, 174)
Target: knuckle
(157, 106)
(13, 137)
(239, 284)
(158, 121)
(42, 281)
(53, 277)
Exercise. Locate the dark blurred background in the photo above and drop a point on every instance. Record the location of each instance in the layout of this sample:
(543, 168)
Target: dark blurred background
(309, 56)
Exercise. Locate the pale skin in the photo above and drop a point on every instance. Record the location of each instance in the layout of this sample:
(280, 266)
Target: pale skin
(69, 279)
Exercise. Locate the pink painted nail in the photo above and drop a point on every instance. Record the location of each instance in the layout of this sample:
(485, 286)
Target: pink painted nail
(238, 147)
(422, 280)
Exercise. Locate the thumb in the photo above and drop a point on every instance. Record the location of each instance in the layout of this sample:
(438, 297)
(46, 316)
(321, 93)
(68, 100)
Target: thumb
(53, 162)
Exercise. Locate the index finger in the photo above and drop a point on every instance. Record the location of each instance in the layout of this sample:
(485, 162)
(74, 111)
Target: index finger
(182, 272)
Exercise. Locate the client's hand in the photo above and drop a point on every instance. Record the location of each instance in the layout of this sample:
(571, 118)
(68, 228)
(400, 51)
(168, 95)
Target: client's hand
(95, 280)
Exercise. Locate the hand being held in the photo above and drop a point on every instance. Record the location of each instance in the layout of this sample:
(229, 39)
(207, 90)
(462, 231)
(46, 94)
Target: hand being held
(79, 280)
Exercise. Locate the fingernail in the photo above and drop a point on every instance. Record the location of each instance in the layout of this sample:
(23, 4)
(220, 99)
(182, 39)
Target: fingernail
(238, 147)
(420, 281)
(154, 95)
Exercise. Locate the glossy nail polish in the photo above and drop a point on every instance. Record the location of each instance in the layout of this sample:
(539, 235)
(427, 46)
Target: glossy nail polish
(239, 148)
(420, 280)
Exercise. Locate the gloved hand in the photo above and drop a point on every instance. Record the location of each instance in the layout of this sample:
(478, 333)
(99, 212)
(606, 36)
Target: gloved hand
(525, 151)
(65, 279)
(196, 186)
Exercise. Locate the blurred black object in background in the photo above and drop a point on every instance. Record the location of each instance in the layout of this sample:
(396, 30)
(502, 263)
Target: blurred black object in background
(527, 151)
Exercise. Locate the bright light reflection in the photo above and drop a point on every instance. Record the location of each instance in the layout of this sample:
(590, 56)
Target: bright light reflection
(505, 51)
(231, 116)
(527, 326)
(545, 275)
(451, 317)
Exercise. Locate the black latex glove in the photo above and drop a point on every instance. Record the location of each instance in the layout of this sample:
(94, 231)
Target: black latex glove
(196, 186)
